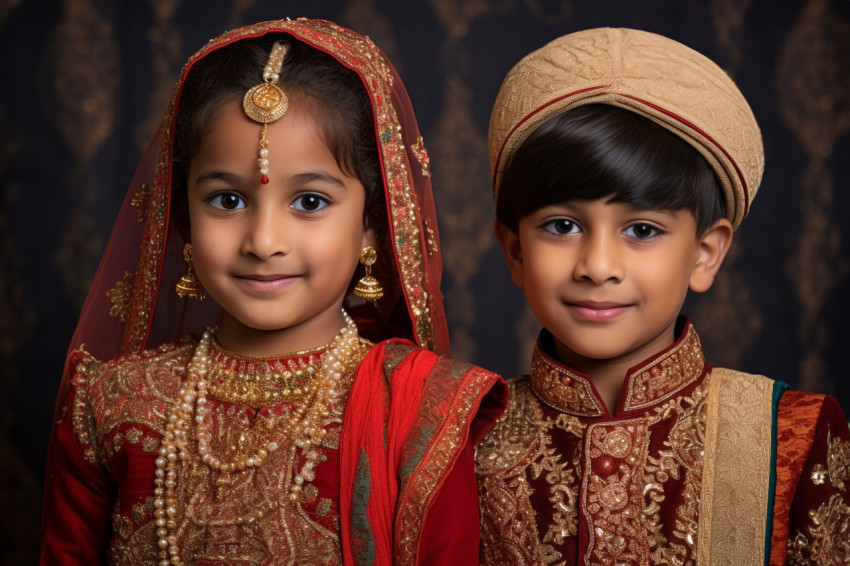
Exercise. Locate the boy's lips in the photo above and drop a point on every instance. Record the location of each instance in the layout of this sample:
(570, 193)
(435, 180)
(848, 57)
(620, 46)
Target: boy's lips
(597, 311)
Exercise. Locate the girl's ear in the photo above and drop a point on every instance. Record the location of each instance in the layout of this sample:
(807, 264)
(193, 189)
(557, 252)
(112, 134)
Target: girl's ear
(369, 238)
(712, 248)
(512, 250)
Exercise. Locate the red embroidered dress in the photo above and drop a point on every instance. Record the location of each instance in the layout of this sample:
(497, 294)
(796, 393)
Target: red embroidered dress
(394, 479)
(562, 481)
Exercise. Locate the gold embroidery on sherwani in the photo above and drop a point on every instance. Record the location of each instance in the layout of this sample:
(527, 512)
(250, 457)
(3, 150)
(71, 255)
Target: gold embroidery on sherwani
(627, 482)
(838, 461)
(135, 391)
(516, 450)
(664, 376)
(563, 389)
(828, 543)
(682, 460)
(612, 492)
(827, 540)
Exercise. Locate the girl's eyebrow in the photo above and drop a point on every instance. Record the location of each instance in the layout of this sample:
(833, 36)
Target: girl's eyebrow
(324, 176)
(220, 175)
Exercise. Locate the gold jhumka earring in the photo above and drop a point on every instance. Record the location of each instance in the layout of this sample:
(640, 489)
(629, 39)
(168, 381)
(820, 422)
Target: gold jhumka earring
(368, 287)
(189, 286)
(267, 103)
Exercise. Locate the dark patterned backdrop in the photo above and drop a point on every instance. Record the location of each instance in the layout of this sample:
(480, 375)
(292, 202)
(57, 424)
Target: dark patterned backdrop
(85, 82)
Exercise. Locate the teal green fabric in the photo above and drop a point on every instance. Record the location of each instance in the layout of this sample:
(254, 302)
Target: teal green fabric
(779, 388)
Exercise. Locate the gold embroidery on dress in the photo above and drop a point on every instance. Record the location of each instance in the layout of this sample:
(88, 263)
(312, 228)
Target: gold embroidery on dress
(82, 419)
(838, 461)
(141, 202)
(421, 154)
(119, 296)
(134, 391)
(829, 532)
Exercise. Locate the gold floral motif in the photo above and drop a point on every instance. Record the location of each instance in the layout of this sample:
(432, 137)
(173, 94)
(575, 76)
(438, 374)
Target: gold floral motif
(819, 474)
(838, 461)
(828, 543)
(119, 296)
(516, 448)
(681, 460)
(611, 495)
(141, 202)
(138, 513)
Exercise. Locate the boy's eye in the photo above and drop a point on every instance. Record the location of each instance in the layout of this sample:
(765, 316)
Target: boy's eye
(642, 231)
(227, 201)
(561, 226)
(309, 203)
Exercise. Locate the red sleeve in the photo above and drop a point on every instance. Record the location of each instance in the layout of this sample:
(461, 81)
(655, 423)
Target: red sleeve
(76, 521)
(819, 529)
(452, 530)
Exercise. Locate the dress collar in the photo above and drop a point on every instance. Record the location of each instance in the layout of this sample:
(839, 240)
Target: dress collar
(646, 384)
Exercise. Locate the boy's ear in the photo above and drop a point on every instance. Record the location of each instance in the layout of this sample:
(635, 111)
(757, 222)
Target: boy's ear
(509, 241)
(713, 245)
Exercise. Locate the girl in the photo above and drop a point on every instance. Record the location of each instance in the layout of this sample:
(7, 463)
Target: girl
(289, 153)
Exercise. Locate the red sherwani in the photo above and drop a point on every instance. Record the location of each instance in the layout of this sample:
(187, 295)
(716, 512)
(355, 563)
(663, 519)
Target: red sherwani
(562, 481)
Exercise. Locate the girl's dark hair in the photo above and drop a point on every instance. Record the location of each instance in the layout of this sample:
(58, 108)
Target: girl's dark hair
(599, 151)
(335, 96)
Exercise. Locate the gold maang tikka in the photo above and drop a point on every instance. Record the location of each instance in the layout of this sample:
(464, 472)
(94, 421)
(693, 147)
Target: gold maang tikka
(267, 103)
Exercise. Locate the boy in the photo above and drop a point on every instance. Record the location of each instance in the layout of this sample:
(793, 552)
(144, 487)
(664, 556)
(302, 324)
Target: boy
(623, 161)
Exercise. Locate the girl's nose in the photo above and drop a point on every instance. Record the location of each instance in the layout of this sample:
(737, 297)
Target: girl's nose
(265, 235)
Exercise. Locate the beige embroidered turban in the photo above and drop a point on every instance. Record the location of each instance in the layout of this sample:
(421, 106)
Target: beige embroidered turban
(646, 73)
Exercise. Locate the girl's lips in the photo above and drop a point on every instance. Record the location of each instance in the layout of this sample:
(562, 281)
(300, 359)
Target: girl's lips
(266, 283)
(597, 312)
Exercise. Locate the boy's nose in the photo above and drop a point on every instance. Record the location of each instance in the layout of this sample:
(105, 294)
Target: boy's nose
(265, 236)
(599, 260)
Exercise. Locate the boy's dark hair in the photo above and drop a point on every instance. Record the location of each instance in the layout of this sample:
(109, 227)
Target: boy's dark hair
(599, 151)
(334, 95)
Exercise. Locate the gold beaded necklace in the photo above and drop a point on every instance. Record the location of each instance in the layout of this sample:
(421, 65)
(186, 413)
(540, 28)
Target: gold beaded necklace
(320, 392)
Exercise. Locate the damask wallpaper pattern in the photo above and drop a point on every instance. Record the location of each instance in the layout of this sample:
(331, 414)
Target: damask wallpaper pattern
(86, 82)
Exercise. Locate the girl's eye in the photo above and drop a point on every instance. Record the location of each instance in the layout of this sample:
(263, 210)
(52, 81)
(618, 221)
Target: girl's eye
(643, 231)
(561, 226)
(309, 203)
(227, 201)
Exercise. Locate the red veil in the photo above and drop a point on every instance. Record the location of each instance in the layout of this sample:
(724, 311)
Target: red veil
(131, 305)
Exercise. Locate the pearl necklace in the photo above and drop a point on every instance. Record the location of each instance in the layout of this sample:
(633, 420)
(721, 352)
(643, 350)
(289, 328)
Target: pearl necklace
(305, 426)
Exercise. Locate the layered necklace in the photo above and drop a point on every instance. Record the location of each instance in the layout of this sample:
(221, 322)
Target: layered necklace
(317, 385)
